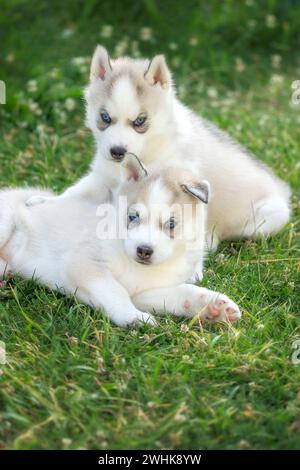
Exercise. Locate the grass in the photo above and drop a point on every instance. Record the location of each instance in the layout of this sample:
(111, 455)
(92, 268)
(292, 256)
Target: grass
(72, 379)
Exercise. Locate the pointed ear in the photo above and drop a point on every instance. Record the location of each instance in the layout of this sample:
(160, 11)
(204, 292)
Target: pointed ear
(200, 190)
(158, 72)
(133, 167)
(100, 66)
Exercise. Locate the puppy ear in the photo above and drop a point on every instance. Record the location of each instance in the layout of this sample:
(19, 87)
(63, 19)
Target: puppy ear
(200, 190)
(133, 167)
(158, 72)
(100, 66)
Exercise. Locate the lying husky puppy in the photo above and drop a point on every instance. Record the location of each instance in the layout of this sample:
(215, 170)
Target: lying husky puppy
(65, 246)
(131, 106)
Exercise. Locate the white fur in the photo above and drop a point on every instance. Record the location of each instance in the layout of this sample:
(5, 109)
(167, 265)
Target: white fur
(247, 200)
(57, 245)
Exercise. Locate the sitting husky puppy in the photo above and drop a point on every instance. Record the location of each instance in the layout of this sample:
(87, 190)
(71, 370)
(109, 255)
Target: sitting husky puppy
(132, 106)
(64, 245)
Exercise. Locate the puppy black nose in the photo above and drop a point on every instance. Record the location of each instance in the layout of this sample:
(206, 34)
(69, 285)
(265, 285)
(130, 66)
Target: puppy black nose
(144, 252)
(118, 153)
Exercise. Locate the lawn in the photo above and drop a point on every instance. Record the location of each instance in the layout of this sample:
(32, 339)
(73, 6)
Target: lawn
(72, 379)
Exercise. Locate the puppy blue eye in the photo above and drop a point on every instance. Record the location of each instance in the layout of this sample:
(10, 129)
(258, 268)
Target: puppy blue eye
(170, 224)
(139, 121)
(134, 217)
(106, 118)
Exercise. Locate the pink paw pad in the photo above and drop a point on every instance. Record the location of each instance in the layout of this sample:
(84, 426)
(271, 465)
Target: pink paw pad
(213, 311)
(223, 309)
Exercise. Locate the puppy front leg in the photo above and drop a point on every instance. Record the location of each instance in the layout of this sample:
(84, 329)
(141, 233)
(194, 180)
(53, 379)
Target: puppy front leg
(107, 293)
(189, 300)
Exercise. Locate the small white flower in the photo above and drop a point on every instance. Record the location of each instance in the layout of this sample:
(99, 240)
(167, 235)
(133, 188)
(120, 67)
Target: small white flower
(271, 21)
(276, 79)
(135, 49)
(83, 69)
(66, 442)
(34, 108)
(239, 65)
(78, 61)
(193, 41)
(220, 258)
(146, 33)
(70, 104)
(67, 33)
(276, 61)
(106, 31)
(173, 46)
(212, 92)
(54, 73)
(41, 128)
(184, 328)
(10, 58)
(121, 47)
(32, 86)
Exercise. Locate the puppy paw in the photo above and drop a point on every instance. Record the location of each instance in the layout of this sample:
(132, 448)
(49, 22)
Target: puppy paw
(145, 317)
(221, 308)
(135, 319)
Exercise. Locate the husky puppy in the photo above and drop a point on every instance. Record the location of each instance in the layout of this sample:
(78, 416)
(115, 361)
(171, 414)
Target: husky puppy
(131, 105)
(65, 246)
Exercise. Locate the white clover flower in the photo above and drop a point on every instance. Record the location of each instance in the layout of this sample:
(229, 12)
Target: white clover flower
(32, 86)
(83, 69)
(66, 442)
(70, 104)
(271, 21)
(220, 258)
(276, 79)
(212, 92)
(66, 33)
(193, 41)
(276, 61)
(41, 128)
(173, 46)
(34, 108)
(106, 31)
(239, 65)
(54, 73)
(121, 47)
(135, 49)
(10, 57)
(61, 115)
(184, 328)
(78, 61)
(146, 33)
